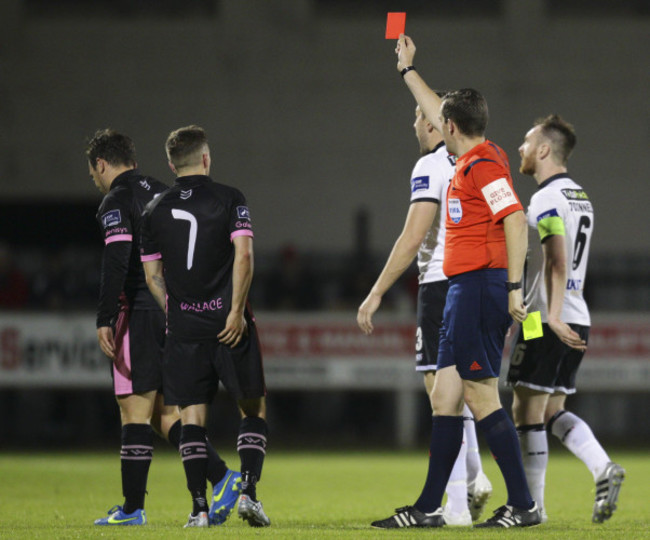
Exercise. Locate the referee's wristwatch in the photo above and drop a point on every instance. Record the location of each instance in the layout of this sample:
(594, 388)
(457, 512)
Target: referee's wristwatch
(513, 285)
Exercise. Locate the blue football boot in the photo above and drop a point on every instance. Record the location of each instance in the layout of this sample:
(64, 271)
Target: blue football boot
(224, 497)
(116, 516)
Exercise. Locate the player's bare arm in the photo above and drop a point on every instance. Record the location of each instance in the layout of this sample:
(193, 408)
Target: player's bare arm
(555, 278)
(153, 271)
(115, 264)
(418, 222)
(106, 341)
(516, 232)
(426, 98)
(242, 276)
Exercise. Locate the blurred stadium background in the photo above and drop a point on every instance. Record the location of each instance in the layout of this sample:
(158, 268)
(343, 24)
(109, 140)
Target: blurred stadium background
(308, 116)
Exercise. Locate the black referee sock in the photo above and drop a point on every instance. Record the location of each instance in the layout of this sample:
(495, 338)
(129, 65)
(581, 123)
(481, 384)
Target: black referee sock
(194, 454)
(445, 442)
(217, 467)
(136, 454)
(251, 446)
(501, 436)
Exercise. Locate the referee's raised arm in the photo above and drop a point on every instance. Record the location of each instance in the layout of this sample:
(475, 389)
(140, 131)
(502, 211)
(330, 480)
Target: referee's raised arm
(426, 98)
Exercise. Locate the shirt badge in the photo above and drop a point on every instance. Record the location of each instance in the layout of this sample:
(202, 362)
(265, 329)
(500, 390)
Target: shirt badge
(498, 195)
(419, 183)
(455, 210)
(112, 218)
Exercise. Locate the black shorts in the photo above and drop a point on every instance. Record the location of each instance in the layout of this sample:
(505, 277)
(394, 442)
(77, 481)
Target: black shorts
(431, 304)
(546, 364)
(139, 342)
(192, 370)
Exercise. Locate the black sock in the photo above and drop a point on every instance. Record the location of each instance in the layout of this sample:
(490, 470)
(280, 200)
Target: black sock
(136, 454)
(446, 439)
(174, 434)
(501, 436)
(251, 446)
(194, 454)
(216, 466)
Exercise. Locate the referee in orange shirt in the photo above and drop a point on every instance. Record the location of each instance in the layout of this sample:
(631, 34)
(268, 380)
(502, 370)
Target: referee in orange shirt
(485, 250)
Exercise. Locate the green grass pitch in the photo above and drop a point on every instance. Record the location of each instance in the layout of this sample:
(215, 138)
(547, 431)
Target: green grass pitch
(306, 495)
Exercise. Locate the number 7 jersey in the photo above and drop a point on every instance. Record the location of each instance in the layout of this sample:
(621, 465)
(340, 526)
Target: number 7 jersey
(562, 207)
(191, 227)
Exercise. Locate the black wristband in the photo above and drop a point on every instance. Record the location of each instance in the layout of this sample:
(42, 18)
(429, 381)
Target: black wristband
(513, 285)
(406, 70)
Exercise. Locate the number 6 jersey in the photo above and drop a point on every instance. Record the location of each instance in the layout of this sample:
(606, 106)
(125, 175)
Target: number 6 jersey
(191, 227)
(561, 207)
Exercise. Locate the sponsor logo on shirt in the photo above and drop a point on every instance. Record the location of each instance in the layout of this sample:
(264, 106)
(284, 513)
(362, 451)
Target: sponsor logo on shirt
(574, 284)
(145, 184)
(243, 225)
(455, 210)
(186, 194)
(112, 218)
(419, 183)
(243, 212)
(499, 195)
(549, 213)
(575, 194)
(116, 230)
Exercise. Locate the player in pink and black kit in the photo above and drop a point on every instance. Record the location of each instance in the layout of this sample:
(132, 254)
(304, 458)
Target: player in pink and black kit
(197, 249)
(131, 325)
(485, 250)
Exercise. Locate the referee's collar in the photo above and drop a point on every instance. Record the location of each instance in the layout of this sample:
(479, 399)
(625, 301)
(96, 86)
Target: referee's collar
(123, 178)
(553, 179)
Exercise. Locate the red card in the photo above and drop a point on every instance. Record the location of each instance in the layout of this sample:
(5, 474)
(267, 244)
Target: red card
(395, 25)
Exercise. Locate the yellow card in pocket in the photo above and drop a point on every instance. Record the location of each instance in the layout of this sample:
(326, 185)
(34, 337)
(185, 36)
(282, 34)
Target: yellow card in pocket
(532, 326)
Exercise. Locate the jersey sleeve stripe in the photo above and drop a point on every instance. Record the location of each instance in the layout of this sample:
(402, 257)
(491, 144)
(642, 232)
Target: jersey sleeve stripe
(152, 257)
(496, 149)
(469, 167)
(426, 199)
(119, 238)
(241, 233)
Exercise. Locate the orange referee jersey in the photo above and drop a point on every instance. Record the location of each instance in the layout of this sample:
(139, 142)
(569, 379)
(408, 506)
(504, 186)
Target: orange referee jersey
(479, 197)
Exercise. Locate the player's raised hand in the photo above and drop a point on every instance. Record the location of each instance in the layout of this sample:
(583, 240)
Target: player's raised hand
(567, 335)
(366, 311)
(516, 306)
(106, 341)
(405, 52)
(234, 330)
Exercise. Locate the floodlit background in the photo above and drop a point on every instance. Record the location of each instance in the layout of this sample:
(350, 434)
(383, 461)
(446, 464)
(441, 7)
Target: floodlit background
(307, 115)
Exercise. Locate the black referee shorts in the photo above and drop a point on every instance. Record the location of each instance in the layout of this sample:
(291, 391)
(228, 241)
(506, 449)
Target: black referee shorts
(192, 370)
(546, 364)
